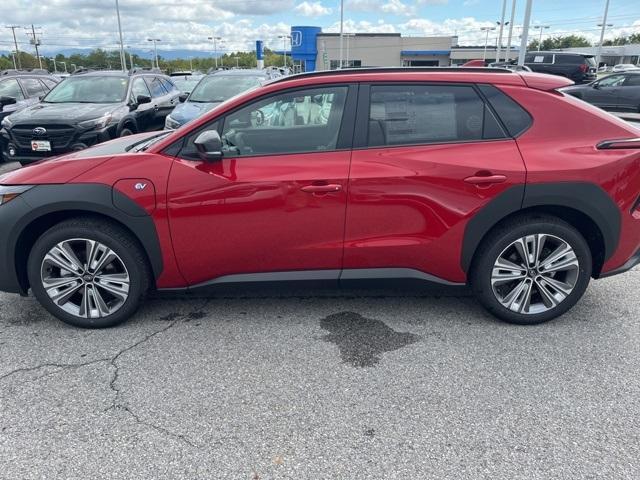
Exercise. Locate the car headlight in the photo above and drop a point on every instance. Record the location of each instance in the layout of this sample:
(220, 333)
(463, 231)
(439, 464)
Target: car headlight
(6, 123)
(9, 192)
(171, 124)
(96, 122)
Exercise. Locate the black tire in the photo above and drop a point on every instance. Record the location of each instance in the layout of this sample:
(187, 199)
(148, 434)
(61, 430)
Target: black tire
(109, 234)
(125, 132)
(504, 235)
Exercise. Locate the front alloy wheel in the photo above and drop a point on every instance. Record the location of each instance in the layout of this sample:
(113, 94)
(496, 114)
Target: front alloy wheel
(535, 273)
(89, 272)
(85, 278)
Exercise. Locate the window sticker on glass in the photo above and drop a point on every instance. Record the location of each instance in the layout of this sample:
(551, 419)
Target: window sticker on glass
(538, 59)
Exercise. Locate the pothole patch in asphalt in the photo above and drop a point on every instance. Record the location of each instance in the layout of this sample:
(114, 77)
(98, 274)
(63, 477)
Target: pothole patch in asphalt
(362, 341)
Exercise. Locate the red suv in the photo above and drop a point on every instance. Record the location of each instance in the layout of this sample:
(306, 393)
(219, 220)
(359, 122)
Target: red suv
(459, 176)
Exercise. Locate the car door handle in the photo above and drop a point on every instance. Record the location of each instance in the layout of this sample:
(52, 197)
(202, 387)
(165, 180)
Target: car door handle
(485, 180)
(155, 107)
(325, 188)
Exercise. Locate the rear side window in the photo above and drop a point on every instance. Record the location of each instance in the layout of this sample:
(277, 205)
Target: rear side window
(515, 118)
(418, 114)
(632, 81)
(538, 58)
(49, 84)
(33, 87)
(10, 88)
(570, 59)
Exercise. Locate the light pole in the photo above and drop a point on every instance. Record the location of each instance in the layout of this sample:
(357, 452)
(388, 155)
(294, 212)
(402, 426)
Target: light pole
(155, 49)
(65, 66)
(524, 39)
(215, 48)
(284, 44)
(347, 59)
(55, 67)
(341, 30)
(541, 28)
(513, 14)
(486, 40)
(128, 47)
(599, 50)
(501, 24)
(123, 59)
(604, 26)
(191, 63)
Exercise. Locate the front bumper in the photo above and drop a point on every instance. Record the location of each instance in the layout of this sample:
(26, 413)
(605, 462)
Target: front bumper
(17, 142)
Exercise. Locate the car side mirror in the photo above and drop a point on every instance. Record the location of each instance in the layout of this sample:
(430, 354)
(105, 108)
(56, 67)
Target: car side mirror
(596, 86)
(183, 97)
(4, 101)
(209, 146)
(140, 99)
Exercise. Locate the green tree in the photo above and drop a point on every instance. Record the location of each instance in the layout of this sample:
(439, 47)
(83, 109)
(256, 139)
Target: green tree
(559, 41)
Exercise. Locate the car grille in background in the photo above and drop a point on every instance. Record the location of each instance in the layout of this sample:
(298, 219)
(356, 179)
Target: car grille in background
(60, 136)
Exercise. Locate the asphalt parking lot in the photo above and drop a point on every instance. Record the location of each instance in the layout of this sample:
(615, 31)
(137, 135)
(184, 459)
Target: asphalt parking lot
(324, 384)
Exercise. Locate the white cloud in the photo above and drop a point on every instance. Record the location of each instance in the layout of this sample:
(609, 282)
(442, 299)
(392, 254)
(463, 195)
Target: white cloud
(396, 7)
(312, 9)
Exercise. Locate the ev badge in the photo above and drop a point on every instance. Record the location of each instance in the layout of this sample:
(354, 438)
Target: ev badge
(140, 186)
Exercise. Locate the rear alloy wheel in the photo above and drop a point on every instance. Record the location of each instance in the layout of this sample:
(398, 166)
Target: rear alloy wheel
(532, 270)
(88, 273)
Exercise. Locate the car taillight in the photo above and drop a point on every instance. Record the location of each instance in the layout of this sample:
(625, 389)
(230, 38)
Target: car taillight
(584, 68)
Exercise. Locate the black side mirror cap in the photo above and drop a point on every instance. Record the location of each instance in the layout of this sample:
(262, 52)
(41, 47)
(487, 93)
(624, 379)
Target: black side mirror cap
(4, 101)
(183, 97)
(140, 99)
(209, 145)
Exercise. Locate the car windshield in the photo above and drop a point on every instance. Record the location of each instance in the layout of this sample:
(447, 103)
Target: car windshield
(185, 84)
(218, 88)
(89, 89)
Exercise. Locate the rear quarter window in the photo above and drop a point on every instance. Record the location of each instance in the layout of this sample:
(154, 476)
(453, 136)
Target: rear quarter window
(515, 118)
(570, 59)
(538, 58)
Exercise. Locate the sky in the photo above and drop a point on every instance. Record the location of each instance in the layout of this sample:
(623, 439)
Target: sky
(186, 24)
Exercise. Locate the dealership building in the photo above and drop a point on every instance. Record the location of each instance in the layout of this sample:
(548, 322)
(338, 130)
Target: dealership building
(312, 49)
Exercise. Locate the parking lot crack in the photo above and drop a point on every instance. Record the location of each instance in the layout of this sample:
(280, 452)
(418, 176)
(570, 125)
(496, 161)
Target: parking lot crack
(119, 404)
(58, 366)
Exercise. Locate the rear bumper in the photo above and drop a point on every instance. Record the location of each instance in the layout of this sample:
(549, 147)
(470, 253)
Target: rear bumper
(628, 265)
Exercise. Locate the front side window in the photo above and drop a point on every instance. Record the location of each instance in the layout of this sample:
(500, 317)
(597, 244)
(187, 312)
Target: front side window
(155, 86)
(139, 87)
(168, 85)
(418, 114)
(611, 81)
(301, 121)
(10, 88)
(89, 89)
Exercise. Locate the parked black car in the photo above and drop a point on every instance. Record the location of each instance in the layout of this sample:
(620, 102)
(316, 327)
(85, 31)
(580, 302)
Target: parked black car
(21, 88)
(619, 92)
(580, 68)
(87, 108)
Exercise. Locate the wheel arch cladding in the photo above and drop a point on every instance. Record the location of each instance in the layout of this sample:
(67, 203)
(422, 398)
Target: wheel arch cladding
(587, 200)
(51, 204)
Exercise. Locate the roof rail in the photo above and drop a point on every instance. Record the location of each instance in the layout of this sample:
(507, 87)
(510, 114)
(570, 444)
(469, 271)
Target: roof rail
(345, 71)
(144, 70)
(81, 70)
(31, 71)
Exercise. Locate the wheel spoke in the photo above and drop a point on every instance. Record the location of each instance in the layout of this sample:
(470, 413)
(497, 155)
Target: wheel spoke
(558, 254)
(102, 257)
(59, 258)
(62, 297)
(567, 262)
(83, 311)
(116, 284)
(548, 297)
(519, 298)
(100, 307)
(52, 284)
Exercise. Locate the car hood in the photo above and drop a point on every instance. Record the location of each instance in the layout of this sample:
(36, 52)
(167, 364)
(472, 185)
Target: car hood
(187, 111)
(63, 112)
(65, 168)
